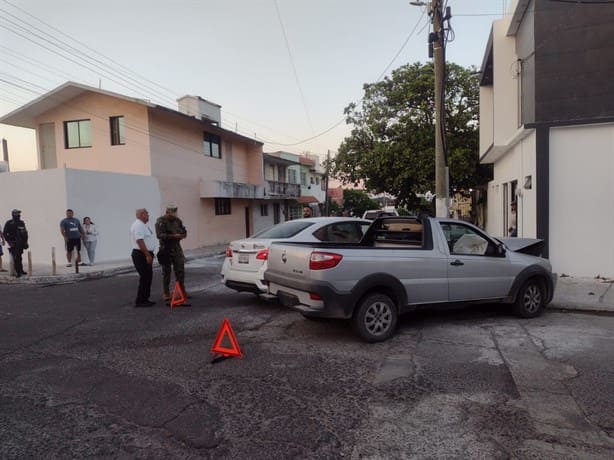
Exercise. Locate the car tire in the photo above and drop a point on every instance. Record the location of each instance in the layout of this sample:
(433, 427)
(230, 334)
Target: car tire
(376, 318)
(530, 300)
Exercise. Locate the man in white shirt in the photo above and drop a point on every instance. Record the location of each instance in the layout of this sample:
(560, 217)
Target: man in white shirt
(143, 245)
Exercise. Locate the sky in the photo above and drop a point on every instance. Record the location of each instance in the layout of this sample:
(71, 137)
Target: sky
(282, 70)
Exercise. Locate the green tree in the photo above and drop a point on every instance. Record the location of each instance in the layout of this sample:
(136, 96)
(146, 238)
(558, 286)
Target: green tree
(391, 147)
(358, 201)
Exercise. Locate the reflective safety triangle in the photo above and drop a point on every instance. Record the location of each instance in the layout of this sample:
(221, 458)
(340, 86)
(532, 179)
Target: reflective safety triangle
(226, 331)
(178, 297)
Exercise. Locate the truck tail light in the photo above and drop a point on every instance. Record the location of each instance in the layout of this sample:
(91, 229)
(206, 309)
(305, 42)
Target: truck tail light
(324, 260)
(228, 251)
(314, 296)
(262, 255)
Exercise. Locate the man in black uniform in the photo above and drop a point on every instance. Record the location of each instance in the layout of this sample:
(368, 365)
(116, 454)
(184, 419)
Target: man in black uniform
(170, 231)
(16, 235)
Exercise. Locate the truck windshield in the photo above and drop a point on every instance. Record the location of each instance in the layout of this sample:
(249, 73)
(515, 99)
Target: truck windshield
(285, 230)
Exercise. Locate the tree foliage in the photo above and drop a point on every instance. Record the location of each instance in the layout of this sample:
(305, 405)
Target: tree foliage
(357, 202)
(391, 147)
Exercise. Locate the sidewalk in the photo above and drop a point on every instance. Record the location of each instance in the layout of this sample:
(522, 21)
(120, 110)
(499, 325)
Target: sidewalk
(572, 293)
(42, 274)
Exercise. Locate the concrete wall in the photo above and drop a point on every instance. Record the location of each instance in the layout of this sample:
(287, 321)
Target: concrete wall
(131, 158)
(581, 191)
(41, 198)
(177, 150)
(505, 84)
(486, 118)
(109, 199)
(515, 165)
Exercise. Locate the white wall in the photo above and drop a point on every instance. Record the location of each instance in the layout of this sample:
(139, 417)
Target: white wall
(110, 200)
(505, 83)
(516, 164)
(581, 197)
(41, 197)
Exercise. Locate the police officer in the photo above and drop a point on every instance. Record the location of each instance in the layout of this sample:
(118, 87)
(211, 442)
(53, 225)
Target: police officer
(16, 235)
(170, 231)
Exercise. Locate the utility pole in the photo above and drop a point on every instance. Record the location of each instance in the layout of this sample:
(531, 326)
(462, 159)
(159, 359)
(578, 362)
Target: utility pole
(326, 210)
(441, 168)
(437, 52)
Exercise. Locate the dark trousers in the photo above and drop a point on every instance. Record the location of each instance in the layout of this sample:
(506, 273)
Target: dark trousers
(16, 253)
(145, 272)
(178, 262)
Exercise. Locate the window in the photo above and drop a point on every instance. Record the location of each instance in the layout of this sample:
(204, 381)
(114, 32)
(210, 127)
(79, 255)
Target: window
(212, 146)
(342, 232)
(292, 176)
(312, 180)
(264, 209)
(296, 212)
(222, 206)
(303, 178)
(118, 131)
(463, 240)
(77, 134)
(317, 181)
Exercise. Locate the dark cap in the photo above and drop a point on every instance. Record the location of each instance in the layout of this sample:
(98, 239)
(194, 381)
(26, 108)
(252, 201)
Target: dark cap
(15, 211)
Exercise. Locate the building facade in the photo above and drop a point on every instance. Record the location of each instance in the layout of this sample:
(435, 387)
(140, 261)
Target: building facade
(547, 126)
(104, 155)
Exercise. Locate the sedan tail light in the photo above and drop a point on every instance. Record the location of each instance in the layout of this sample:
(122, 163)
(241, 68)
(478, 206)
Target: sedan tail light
(228, 251)
(324, 260)
(262, 255)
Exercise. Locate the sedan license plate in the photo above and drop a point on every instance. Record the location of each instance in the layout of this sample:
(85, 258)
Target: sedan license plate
(243, 258)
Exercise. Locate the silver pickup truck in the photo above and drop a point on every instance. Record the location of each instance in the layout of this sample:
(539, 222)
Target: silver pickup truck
(405, 262)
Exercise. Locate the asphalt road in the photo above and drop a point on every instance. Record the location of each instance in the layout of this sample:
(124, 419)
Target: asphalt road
(84, 373)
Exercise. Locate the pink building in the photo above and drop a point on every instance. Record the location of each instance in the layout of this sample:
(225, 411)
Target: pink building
(92, 144)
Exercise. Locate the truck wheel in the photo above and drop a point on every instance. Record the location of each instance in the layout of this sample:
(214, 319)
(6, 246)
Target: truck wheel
(530, 300)
(376, 318)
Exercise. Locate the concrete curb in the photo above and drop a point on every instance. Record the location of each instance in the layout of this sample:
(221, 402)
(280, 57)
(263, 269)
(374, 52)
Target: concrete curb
(67, 278)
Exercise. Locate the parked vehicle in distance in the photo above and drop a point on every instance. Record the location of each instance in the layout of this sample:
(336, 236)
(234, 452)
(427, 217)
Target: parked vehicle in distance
(406, 262)
(246, 259)
(373, 214)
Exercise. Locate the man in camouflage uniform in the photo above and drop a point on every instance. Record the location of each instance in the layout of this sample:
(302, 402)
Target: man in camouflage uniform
(170, 231)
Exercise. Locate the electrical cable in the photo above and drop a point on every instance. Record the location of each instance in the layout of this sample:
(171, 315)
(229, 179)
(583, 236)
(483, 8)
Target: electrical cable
(296, 77)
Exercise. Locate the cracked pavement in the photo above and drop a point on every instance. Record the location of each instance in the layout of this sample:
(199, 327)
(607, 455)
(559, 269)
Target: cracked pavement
(83, 373)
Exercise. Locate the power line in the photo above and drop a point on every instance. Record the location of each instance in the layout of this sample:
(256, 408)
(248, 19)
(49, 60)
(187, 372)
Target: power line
(72, 51)
(402, 47)
(343, 119)
(296, 78)
(173, 93)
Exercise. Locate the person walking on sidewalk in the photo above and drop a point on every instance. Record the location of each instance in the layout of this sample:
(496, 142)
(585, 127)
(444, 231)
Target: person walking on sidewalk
(143, 245)
(90, 239)
(72, 232)
(16, 235)
(170, 231)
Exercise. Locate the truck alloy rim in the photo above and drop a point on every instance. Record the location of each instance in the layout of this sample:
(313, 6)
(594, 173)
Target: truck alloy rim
(532, 298)
(378, 318)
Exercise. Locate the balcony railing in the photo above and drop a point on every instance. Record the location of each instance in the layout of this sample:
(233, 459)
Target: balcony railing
(274, 189)
(223, 189)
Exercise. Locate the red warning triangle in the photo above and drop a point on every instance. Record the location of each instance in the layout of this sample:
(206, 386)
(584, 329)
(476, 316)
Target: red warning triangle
(234, 349)
(178, 297)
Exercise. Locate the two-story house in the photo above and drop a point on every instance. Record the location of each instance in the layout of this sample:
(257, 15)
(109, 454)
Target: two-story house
(281, 191)
(105, 154)
(547, 126)
(313, 184)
